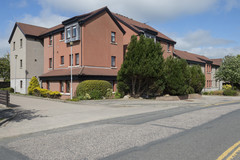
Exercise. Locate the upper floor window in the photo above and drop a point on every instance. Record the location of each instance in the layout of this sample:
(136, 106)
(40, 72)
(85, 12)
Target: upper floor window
(70, 60)
(68, 33)
(113, 37)
(62, 35)
(50, 40)
(21, 63)
(74, 31)
(50, 62)
(14, 46)
(77, 58)
(168, 47)
(20, 43)
(62, 60)
(113, 61)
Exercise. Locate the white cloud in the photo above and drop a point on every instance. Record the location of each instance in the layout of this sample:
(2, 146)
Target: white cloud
(203, 43)
(138, 9)
(22, 3)
(4, 46)
(230, 4)
(199, 38)
(45, 19)
(216, 52)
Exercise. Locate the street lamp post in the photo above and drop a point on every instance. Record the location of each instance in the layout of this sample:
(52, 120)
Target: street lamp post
(15, 74)
(71, 91)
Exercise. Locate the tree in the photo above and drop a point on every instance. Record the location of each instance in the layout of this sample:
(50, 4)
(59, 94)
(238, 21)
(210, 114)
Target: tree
(5, 68)
(177, 77)
(229, 71)
(32, 85)
(142, 70)
(197, 81)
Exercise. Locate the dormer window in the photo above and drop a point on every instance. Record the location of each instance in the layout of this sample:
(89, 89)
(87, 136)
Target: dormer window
(68, 33)
(50, 40)
(74, 31)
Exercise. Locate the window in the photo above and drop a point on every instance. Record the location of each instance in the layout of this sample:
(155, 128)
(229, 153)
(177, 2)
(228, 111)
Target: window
(50, 40)
(50, 62)
(20, 43)
(168, 47)
(74, 31)
(113, 37)
(77, 59)
(21, 63)
(67, 86)
(20, 84)
(14, 46)
(62, 60)
(61, 86)
(113, 61)
(68, 33)
(48, 85)
(70, 63)
(62, 35)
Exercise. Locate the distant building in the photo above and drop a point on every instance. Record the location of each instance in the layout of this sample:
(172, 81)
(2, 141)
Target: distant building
(209, 67)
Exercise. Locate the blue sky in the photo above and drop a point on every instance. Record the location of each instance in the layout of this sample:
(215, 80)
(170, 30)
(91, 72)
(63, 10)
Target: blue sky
(206, 27)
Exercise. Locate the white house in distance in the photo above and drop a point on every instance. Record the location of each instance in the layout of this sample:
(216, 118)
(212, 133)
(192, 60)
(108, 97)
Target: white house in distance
(26, 55)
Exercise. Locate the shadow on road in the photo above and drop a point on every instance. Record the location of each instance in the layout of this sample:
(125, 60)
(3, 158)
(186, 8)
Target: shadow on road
(25, 115)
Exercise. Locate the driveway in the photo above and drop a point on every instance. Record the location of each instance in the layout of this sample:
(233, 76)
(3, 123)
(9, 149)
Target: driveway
(37, 114)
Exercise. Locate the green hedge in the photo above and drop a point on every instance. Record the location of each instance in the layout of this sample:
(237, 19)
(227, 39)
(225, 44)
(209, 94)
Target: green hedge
(230, 92)
(9, 89)
(95, 88)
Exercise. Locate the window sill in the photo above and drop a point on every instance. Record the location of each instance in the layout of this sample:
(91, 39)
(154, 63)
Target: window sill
(61, 65)
(65, 94)
(49, 45)
(62, 40)
(169, 51)
(113, 67)
(114, 43)
(50, 69)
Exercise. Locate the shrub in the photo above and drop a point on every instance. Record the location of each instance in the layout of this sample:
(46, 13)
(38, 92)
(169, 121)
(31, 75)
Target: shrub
(9, 89)
(220, 92)
(118, 95)
(205, 93)
(229, 92)
(32, 85)
(177, 77)
(227, 86)
(95, 88)
(197, 81)
(109, 93)
(46, 93)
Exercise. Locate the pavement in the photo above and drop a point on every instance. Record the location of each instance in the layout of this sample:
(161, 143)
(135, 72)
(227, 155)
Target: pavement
(37, 114)
(196, 129)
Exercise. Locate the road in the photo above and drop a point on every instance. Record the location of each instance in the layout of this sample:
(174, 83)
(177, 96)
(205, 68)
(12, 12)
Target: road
(181, 133)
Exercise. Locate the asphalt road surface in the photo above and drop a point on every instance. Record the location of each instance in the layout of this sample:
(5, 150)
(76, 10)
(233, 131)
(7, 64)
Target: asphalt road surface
(183, 133)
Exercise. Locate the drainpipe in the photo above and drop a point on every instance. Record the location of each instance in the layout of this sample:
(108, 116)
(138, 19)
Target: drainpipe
(81, 44)
(53, 51)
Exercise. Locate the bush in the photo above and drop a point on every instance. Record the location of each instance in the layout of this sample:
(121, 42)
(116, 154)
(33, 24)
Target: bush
(229, 92)
(197, 81)
(32, 85)
(95, 88)
(227, 86)
(46, 93)
(9, 89)
(205, 93)
(177, 77)
(109, 93)
(220, 92)
(118, 95)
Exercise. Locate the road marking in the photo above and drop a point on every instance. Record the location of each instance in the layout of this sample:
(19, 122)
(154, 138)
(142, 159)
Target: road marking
(234, 154)
(210, 105)
(228, 151)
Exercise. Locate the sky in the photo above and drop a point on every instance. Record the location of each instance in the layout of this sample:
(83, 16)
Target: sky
(206, 27)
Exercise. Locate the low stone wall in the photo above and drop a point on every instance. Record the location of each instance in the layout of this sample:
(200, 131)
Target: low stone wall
(178, 98)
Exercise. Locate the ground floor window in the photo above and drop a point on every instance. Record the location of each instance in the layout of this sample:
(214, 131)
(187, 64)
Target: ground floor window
(68, 86)
(61, 86)
(21, 84)
(48, 85)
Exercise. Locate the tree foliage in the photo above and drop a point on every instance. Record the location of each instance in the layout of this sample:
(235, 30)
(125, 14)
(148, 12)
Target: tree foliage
(142, 70)
(197, 81)
(32, 85)
(177, 77)
(5, 68)
(229, 71)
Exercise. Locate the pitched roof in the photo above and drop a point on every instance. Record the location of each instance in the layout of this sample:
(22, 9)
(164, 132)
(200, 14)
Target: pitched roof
(90, 71)
(52, 29)
(27, 30)
(217, 62)
(191, 56)
(138, 26)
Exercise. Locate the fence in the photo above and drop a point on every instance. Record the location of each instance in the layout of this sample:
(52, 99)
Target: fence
(4, 84)
(4, 98)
